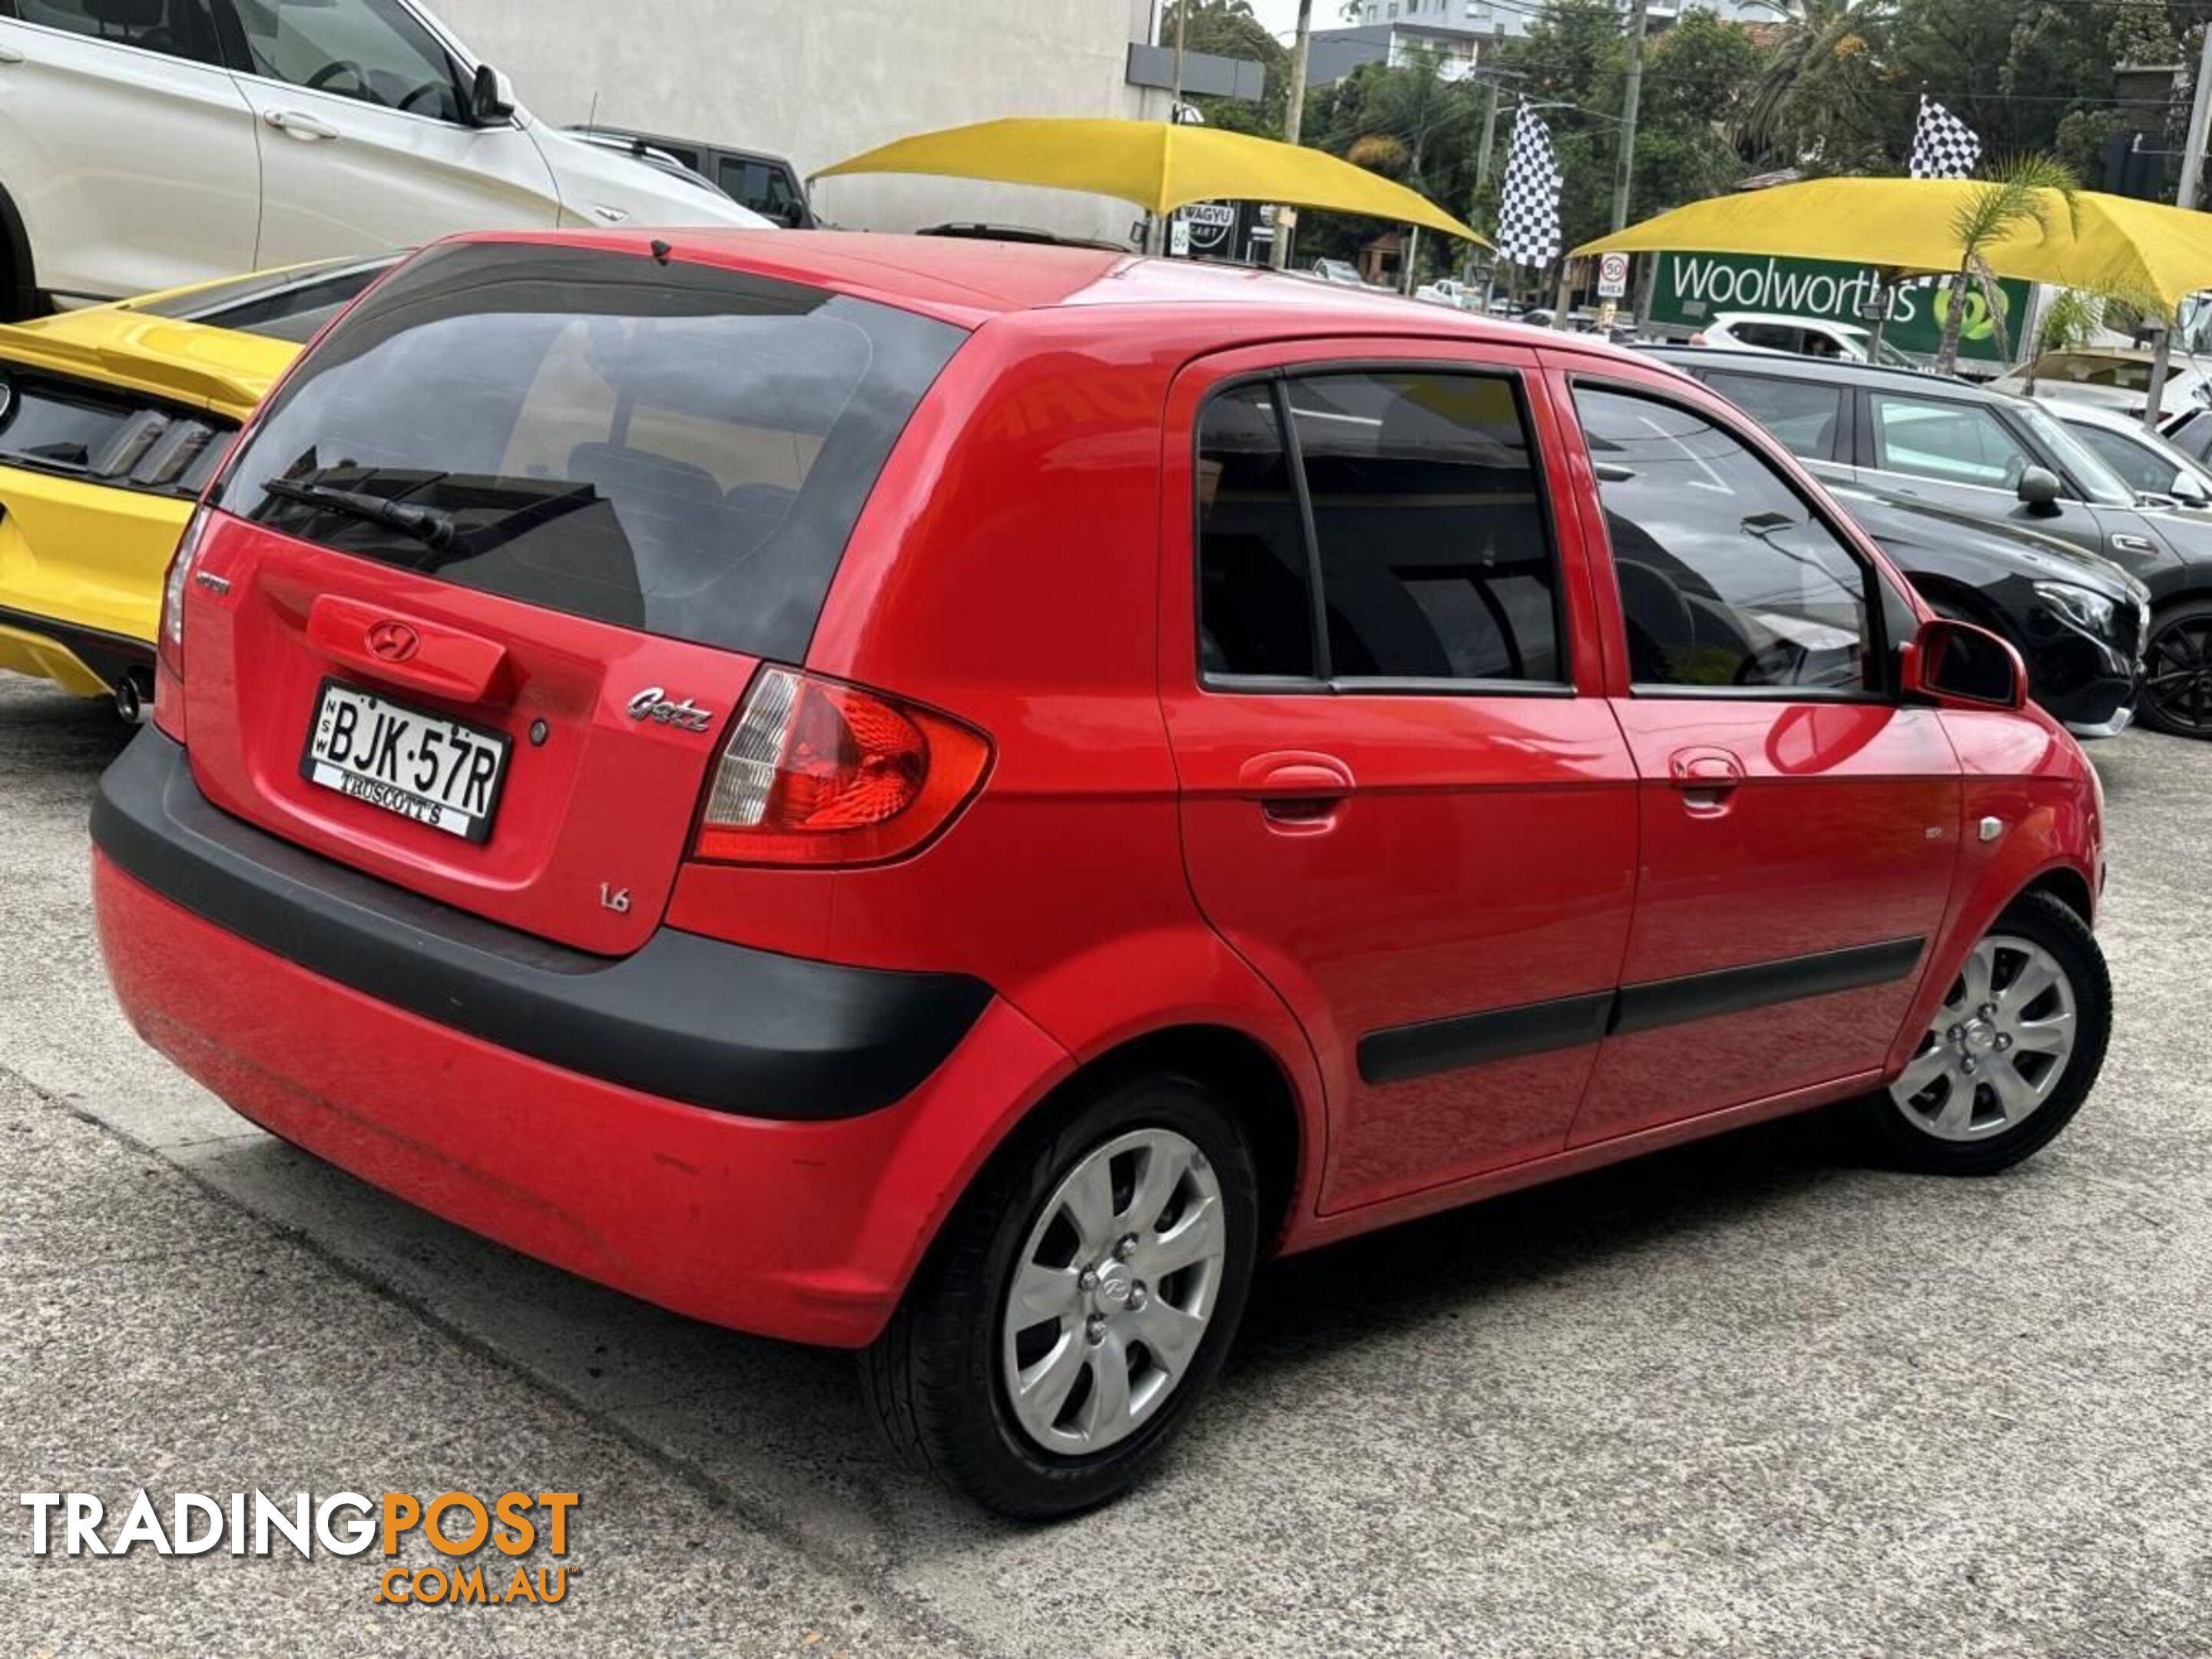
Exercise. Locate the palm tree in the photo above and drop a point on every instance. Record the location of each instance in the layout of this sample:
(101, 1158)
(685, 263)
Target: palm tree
(2027, 190)
(1819, 75)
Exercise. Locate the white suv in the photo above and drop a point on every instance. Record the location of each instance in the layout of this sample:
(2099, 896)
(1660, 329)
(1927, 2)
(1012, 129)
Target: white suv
(149, 143)
(1798, 337)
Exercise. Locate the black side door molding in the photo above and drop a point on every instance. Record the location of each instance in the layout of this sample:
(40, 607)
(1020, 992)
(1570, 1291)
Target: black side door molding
(1398, 1054)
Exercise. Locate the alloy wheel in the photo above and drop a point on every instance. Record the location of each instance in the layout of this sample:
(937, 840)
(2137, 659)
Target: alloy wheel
(2178, 674)
(1113, 1290)
(1997, 1047)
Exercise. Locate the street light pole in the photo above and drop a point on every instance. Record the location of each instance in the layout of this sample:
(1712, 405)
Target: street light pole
(2192, 179)
(1631, 93)
(1294, 114)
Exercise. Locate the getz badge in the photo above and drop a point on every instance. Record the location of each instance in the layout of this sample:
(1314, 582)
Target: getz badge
(653, 704)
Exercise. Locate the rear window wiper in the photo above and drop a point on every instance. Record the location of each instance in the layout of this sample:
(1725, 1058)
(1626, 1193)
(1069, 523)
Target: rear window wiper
(425, 524)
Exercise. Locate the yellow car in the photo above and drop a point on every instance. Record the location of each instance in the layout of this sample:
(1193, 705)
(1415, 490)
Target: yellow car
(111, 420)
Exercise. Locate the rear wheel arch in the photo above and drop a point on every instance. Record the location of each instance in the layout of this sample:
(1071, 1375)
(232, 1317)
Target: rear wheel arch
(1240, 1069)
(1248, 1077)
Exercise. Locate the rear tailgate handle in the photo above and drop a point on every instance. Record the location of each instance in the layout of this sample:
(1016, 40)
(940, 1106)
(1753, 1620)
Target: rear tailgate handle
(424, 656)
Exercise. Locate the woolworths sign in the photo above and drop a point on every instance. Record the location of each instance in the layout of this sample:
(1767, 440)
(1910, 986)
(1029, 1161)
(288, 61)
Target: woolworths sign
(1695, 288)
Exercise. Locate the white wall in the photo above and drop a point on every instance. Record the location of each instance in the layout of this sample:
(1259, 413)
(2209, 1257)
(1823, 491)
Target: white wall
(820, 79)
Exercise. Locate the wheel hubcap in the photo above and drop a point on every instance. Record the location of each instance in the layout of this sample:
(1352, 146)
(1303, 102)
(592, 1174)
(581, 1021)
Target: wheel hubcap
(1113, 1291)
(1996, 1047)
(2178, 673)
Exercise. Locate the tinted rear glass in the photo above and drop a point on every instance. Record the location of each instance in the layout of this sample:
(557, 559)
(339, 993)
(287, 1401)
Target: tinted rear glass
(289, 305)
(680, 449)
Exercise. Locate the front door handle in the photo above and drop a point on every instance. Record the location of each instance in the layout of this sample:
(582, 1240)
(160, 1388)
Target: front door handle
(1298, 790)
(1706, 778)
(298, 125)
(11, 55)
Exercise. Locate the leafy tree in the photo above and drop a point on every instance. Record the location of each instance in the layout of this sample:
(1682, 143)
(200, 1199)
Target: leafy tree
(1823, 98)
(1227, 28)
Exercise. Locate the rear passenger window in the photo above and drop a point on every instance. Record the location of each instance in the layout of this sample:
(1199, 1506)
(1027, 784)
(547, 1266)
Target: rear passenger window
(174, 28)
(1431, 546)
(1255, 605)
(1806, 417)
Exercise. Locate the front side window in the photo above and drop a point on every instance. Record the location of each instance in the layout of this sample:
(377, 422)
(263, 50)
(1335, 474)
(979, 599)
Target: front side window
(2140, 468)
(1728, 580)
(1805, 416)
(375, 50)
(1430, 543)
(175, 28)
(1960, 443)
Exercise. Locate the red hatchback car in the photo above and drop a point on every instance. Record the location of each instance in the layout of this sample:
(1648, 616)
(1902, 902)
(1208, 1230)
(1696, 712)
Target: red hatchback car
(943, 798)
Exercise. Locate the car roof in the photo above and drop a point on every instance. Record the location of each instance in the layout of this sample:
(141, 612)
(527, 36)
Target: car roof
(1821, 368)
(2108, 416)
(1783, 318)
(970, 281)
(626, 136)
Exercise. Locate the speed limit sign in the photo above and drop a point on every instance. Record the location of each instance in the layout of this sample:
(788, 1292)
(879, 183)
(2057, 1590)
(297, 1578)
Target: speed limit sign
(1613, 276)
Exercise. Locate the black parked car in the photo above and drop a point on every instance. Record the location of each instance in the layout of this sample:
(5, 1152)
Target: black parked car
(767, 184)
(1998, 463)
(2076, 619)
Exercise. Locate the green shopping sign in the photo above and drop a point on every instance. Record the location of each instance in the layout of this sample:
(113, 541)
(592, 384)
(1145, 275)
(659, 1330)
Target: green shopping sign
(1693, 289)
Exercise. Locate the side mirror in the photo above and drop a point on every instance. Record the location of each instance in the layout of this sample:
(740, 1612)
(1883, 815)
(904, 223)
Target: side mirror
(1957, 663)
(2189, 491)
(2039, 491)
(491, 97)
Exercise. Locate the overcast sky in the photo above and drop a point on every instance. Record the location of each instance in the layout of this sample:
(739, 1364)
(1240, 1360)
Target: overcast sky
(1282, 15)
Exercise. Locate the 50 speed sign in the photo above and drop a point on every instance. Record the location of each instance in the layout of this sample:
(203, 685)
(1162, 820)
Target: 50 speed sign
(1612, 275)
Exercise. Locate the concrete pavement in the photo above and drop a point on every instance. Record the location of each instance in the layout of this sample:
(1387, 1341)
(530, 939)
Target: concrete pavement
(1748, 1397)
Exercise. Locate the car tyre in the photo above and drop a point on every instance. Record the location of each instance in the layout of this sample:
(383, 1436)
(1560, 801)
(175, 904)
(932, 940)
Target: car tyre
(2177, 695)
(1172, 1164)
(2011, 1053)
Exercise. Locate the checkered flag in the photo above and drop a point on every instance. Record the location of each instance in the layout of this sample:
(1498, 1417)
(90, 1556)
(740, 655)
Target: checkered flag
(1529, 211)
(1943, 146)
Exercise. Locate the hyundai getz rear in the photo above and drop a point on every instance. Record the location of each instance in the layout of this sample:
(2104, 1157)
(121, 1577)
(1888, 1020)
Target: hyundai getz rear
(940, 799)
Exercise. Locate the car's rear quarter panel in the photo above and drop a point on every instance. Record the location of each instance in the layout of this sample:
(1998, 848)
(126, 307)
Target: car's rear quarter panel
(1005, 571)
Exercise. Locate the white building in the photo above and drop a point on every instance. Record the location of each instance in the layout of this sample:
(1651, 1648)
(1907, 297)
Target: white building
(820, 82)
(1457, 31)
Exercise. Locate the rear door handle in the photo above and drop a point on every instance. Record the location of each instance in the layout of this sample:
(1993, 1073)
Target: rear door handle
(11, 55)
(1297, 789)
(1705, 777)
(298, 125)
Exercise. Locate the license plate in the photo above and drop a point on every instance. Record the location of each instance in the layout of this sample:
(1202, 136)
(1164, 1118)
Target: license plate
(433, 769)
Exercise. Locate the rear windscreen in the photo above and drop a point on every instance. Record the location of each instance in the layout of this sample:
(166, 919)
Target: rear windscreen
(678, 448)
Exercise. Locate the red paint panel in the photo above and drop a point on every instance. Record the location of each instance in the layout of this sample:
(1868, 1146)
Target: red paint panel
(802, 1230)
(605, 800)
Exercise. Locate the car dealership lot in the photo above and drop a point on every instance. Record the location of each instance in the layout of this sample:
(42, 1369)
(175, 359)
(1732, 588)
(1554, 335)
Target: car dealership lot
(1749, 1394)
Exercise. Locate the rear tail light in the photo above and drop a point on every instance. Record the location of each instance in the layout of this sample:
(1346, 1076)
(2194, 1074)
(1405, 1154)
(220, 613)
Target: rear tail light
(169, 639)
(820, 773)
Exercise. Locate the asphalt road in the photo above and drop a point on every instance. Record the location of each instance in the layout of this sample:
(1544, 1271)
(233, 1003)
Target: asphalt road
(1749, 1397)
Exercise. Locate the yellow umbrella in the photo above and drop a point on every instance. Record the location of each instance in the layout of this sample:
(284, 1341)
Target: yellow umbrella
(2110, 244)
(1157, 166)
